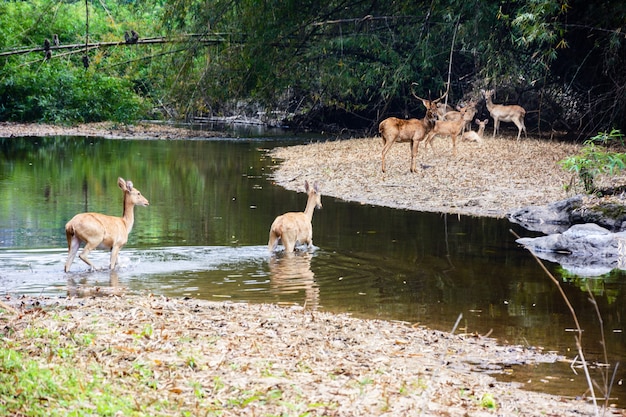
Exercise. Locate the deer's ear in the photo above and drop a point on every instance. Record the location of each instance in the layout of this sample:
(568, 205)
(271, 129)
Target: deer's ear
(121, 183)
(306, 186)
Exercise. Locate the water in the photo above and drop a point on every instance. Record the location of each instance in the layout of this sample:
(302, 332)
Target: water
(205, 233)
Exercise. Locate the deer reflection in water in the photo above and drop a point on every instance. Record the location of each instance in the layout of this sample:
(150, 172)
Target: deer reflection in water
(290, 273)
(81, 287)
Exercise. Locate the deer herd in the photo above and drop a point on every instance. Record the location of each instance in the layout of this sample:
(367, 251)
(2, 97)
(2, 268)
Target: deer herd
(97, 230)
(443, 120)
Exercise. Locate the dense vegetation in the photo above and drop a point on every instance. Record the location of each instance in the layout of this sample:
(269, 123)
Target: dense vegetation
(343, 63)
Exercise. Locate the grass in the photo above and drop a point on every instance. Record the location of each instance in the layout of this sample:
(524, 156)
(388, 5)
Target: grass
(33, 388)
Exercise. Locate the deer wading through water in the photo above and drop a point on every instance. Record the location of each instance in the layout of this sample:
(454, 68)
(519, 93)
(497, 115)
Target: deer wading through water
(394, 130)
(501, 113)
(101, 231)
(295, 227)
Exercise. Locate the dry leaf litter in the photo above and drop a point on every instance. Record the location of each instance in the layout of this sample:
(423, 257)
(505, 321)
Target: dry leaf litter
(490, 180)
(249, 359)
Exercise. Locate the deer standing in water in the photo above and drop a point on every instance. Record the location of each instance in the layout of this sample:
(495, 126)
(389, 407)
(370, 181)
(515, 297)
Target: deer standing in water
(476, 136)
(101, 231)
(394, 130)
(502, 113)
(295, 227)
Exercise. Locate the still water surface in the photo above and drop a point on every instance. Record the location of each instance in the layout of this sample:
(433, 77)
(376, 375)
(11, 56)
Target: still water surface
(205, 232)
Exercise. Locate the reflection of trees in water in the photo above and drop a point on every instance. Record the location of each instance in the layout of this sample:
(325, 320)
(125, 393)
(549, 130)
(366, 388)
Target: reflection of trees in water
(290, 273)
(81, 287)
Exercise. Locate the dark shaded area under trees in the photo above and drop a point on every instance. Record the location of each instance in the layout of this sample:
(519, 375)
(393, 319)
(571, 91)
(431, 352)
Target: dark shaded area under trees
(343, 64)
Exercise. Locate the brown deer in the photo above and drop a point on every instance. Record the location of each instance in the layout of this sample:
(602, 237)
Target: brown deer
(468, 115)
(501, 113)
(394, 130)
(101, 231)
(295, 227)
(476, 136)
(452, 128)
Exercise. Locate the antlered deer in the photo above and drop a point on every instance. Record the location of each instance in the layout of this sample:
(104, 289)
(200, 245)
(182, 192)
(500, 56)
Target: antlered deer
(395, 130)
(502, 113)
(476, 136)
(295, 227)
(450, 128)
(101, 231)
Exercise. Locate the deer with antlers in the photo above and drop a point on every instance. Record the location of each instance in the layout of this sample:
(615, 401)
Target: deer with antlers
(101, 231)
(295, 227)
(394, 130)
(502, 113)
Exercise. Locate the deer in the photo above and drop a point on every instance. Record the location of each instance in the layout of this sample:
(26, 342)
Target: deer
(468, 115)
(452, 128)
(472, 136)
(295, 227)
(394, 130)
(98, 230)
(502, 113)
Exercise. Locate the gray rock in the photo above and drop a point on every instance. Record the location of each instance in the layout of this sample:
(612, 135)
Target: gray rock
(552, 218)
(584, 249)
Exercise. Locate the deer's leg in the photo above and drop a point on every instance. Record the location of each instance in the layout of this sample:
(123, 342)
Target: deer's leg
(272, 242)
(496, 124)
(385, 150)
(454, 145)
(289, 245)
(83, 255)
(114, 252)
(414, 148)
(73, 243)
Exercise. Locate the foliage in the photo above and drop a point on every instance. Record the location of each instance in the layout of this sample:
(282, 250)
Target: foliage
(60, 89)
(596, 159)
(349, 61)
(57, 95)
(360, 58)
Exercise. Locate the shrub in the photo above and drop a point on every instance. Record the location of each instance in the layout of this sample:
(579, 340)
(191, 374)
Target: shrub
(61, 95)
(596, 158)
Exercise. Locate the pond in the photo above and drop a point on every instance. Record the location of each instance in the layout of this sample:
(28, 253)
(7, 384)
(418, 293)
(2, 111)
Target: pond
(205, 234)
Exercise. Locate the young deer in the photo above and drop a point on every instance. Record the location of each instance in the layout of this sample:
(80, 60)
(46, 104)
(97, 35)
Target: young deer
(450, 128)
(394, 130)
(101, 231)
(295, 227)
(502, 113)
(476, 136)
(468, 115)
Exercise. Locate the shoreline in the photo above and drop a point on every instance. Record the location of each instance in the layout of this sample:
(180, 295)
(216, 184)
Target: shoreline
(272, 360)
(488, 180)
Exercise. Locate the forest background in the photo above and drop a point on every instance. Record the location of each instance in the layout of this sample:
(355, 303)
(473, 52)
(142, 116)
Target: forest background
(341, 64)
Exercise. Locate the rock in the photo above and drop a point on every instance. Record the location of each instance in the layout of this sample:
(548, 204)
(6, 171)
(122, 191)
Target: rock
(559, 216)
(584, 249)
(552, 218)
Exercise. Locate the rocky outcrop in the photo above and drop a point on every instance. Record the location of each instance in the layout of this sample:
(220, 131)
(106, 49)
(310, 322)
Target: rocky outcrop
(583, 249)
(559, 216)
(552, 218)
